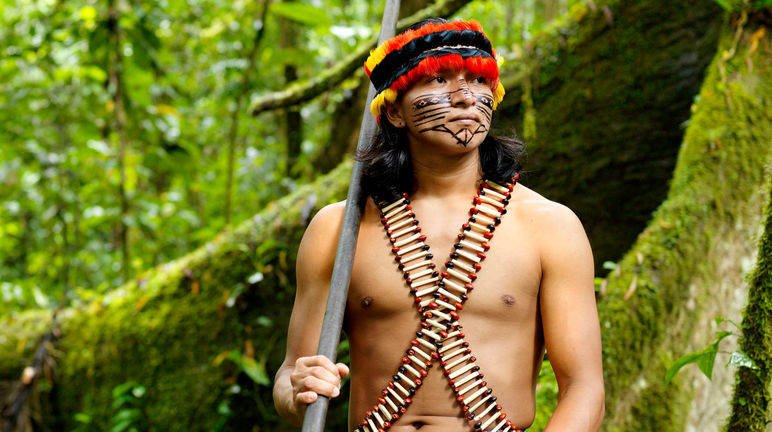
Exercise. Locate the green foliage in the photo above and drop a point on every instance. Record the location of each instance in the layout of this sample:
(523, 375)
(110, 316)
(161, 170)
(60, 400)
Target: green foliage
(706, 357)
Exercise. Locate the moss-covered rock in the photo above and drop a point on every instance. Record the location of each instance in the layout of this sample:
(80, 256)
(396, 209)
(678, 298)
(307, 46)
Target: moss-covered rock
(687, 266)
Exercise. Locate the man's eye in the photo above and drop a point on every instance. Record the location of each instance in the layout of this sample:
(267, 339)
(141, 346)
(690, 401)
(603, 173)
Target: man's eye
(481, 80)
(439, 80)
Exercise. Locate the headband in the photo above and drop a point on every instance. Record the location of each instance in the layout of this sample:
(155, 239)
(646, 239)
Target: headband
(427, 50)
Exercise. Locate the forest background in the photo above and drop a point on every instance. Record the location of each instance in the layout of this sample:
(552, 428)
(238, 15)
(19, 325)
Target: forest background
(160, 159)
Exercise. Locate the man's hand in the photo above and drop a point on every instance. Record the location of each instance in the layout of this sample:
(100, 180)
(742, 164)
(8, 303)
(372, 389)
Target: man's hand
(314, 376)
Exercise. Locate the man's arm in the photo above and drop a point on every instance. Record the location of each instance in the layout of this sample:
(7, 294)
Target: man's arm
(303, 375)
(570, 320)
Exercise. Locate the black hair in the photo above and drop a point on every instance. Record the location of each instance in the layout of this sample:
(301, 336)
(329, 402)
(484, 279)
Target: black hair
(388, 169)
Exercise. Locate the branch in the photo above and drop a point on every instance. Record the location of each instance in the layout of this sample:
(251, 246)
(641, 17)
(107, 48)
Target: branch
(298, 93)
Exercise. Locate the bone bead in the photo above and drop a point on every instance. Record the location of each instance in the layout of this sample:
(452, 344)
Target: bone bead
(453, 354)
(479, 227)
(454, 334)
(415, 256)
(432, 335)
(441, 315)
(468, 256)
(491, 201)
(391, 404)
(474, 236)
(485, 411)
(498, 187)
(392, 205)
(425, 302)
(426, 343)
(449, 295)
(402, 389)
(445, 305)
(492, 418)
(422, 273)
(469, 387)
(451, 345)
(422, 353)
(406, 215)
(484, 220)
(493, 193)
(463, 265)
(436, 324)
(417, 265)
(407, 240)
(412, 370)
(377, 416)
(424, 282)
(469, 377)
(497, 428)
(396, 396)
(474, 396)
(385, 412)
(425, 291)
(457, 362)
(412, 247)
(372, 425)
(400, 233)
(409, 381)
(395, 211)
(459, 275)
(417, 360)
(450, 284)
(489, 211)
(461, 371)
(400, 224)
(472, 246)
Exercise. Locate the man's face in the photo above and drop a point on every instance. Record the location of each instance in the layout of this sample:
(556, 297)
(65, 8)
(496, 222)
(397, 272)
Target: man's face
(451, 110)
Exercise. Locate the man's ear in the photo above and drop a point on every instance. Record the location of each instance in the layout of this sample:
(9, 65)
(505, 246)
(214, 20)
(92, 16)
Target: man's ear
(394, 114)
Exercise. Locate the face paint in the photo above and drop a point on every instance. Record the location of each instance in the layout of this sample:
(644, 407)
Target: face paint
(434, 112)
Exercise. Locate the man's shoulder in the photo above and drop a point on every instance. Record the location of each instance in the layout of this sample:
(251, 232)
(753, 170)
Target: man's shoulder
(534, 209)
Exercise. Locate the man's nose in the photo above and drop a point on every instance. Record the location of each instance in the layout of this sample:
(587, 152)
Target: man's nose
(461, 95)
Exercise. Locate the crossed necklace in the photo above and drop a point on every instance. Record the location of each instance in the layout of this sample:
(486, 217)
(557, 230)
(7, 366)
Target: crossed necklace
(439, 296)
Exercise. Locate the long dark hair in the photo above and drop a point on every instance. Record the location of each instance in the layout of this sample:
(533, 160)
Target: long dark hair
(388, 169)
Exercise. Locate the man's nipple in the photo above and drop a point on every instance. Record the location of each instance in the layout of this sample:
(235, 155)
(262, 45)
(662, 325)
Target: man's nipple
(366, 301)
(508, 300)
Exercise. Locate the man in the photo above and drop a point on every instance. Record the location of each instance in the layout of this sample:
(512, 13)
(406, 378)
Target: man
(452, 338)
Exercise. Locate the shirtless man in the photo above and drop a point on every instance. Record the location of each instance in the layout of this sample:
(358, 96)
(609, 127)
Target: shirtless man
(427, 352)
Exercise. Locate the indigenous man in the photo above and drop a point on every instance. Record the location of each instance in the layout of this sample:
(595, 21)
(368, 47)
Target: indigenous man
(452, 338)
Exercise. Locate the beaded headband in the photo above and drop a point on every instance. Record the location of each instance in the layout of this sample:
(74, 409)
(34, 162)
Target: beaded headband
(403, 59)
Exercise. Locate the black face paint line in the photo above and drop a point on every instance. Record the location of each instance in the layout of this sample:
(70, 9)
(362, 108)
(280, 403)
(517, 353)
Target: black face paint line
(430, 112)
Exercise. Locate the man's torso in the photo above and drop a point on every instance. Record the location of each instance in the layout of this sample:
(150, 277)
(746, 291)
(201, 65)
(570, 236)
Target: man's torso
(500, 319)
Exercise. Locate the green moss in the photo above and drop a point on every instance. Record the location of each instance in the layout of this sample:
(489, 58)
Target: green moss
(686, 263)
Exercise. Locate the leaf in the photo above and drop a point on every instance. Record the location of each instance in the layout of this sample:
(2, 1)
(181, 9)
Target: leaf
(706, 360)
(683, 361)
(252, 368)
(740, 359)
(725, 4)
(302, 13)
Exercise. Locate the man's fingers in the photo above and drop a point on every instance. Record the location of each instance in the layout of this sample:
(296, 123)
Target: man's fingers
(316, 361)
(342, 370)
(306, 397)
(320, 387)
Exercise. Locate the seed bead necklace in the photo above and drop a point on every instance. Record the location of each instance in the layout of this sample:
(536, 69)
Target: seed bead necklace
(439, 296)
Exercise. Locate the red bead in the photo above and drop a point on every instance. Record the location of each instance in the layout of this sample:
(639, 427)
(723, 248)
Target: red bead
(459, 306)
(477, 266)
(423, 373)
(395, 249)
(424, 324)
(422, 237)
(384, 220)
(454, 314)
(476, 200)
(472, 276)
(435, 355)
(386, 425)
(473, 358)
(433, 305)
(445, 275)
(418, 381)
(418, 300)
(486, 246)
(465, 226)
(481, 255)
(414, 342)
(468, 286)
(408, 207)
(488, 235)
(382, 401)
(443, 333)
(460, 399)
(408, 401)
(405, 360)
(384, 392)
(502, 416)
(404, 194)
(428, 314)
(473, 211)
(460, 236)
